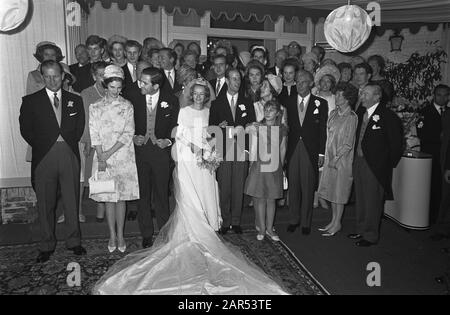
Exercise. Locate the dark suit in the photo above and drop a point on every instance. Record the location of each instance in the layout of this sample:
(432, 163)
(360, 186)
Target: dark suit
(382, 149)
(285, 98)
(55, 163)
(273, 71)
(128, 81)
(444, 213)
(429, 130)
(223, 88)
(153, 163)
(83, 75)
(233, 170)
(167, 88)
(305, 142)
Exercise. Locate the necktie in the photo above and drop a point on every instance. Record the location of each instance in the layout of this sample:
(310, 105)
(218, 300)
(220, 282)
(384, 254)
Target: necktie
(55, 100)
(301, 106)
(233, 107)
(149, 103)
(442, 110)
(169, 76)
(217, 87)
(134, 73)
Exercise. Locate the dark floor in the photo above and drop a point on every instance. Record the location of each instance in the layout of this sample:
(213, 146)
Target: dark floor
(409, 260)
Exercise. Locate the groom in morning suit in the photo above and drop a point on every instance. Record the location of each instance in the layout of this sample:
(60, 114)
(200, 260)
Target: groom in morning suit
(230, 110)
(155, 115)
(52, 123)
(379, 139)
(307, 120)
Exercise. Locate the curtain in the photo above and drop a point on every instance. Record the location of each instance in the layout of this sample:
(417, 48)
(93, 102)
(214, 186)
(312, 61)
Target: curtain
(445, 42)
(130, 23)
(16, 60)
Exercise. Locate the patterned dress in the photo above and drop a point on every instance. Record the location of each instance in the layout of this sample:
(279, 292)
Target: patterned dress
(336, 180)
(109, 122)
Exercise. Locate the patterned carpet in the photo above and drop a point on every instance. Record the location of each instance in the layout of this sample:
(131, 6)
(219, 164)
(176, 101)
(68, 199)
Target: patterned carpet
(19, 274)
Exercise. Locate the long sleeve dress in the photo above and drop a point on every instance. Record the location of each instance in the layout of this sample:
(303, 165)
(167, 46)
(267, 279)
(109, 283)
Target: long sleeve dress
(111, 122)
(336, 179)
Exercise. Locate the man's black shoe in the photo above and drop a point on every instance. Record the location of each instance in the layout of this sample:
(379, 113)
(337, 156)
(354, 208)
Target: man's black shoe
(292, 227)
(78, 250)
(306, 231)
(147, 242)
(354, 236)
(223, 230)
(364, 243)
(43, 257)
(237, 229)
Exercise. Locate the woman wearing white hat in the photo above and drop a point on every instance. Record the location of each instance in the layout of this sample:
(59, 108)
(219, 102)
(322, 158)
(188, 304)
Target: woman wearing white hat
(111, 125)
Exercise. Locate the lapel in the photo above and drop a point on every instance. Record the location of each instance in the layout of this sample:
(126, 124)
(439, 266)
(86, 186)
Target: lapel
(64, 109)
(372, 123)
(49, 108)
(311, 108)
(227, 108)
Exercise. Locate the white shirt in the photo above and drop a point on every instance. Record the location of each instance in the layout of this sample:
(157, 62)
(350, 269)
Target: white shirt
(172, 74)
(372, 109)
(155, 99)
(438, 108)
(131, 68)
(277, 70)
(51, 96)
(235, 96)
(305, 100)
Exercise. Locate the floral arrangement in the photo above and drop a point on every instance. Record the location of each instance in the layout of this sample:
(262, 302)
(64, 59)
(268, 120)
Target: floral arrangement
(208, 158)
(408, 113)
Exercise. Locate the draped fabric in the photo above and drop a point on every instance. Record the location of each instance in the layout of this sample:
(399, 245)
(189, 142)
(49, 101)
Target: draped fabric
(16, 60)
(392, 11)
(131, 23)
(445, 42)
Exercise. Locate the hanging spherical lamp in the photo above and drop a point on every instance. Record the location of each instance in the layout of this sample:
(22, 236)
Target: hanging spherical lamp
(347, 28)
(12, 14)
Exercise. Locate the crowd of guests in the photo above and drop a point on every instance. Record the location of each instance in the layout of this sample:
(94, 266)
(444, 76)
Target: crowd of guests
(335, 133)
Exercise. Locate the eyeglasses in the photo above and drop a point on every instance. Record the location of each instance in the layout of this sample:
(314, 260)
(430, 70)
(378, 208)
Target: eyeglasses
(198, 94)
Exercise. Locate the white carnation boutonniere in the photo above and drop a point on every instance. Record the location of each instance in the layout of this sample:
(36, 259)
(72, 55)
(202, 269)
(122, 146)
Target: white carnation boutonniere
(242, 107)
(420, 125)
(70, 104)
(375, 118)
(317, 102)
(164, 105)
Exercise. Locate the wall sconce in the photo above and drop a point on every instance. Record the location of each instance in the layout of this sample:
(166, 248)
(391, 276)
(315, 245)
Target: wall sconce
(396, 41)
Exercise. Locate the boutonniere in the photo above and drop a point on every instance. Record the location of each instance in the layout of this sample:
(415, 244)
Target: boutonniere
(70, 104)
(317, 102)
(316, 112)
(244, 114)
(242, 107)
(375, 118)
(420, 125)
(164, 105)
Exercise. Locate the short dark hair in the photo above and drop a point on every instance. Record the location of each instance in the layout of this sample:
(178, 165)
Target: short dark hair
(171, 53)
(188, 52)
(98, 65)
(95, 40)
(321, 50)
(350, 93)
(80, 46)
(344, 65)
(197, 45)
(133, 43)
(110, 47)
(365, 66)
(39, 55)
(291, 62)
(441, 86)
(220, 56)
(51, 63)
(156, 75)
(255, 64)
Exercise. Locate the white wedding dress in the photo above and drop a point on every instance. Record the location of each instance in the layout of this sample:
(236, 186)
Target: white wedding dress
(188, 257)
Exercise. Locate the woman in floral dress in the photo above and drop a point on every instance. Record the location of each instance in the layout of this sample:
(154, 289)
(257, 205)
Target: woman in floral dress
(111, 126)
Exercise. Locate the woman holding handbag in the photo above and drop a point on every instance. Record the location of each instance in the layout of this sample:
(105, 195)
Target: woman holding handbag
(114, 169)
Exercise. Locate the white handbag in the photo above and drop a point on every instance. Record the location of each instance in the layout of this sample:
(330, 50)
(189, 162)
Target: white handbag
(104, 184)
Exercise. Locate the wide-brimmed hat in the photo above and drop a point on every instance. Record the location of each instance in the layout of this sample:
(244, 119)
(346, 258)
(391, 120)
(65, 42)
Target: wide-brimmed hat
(327, 69)
(245, 57)
(114, 71)
(276, 82)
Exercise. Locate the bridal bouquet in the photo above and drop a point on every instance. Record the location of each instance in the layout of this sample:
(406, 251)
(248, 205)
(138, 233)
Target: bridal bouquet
(208, 158)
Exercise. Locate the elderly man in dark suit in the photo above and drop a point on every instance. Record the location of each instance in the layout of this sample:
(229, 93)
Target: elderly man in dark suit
(155, 116)
(429, 130)
(52, 123)
(228, 111)
(379, 139)
(307, 121)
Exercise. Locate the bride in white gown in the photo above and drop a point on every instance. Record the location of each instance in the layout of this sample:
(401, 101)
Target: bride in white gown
(188, 257)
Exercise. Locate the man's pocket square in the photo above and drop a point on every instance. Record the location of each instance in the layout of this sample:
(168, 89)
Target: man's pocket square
(374, 127)
(72, 114)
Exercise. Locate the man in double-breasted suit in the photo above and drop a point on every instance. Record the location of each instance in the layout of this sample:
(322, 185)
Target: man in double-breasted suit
(155, 115)
(228, 111)
(379, 140)
(52, 123)
(307, 121)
